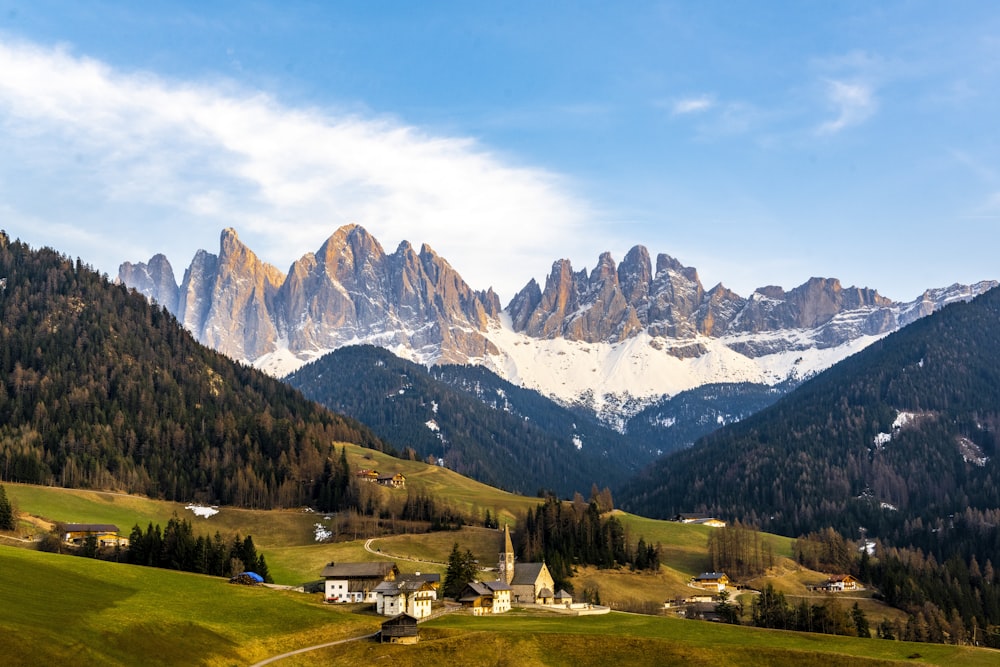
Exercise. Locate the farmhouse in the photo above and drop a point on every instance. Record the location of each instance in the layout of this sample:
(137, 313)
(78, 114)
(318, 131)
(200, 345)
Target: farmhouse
(408, 594)
(487, 597)
(394, 481)
(839, 583)
(367, 475)
(711, 581)
(530, 583)
(356, 582)
(700, 519)
(105, 533)
(400, 630)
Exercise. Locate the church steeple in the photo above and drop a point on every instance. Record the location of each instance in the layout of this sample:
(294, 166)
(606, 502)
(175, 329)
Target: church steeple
(506, 566)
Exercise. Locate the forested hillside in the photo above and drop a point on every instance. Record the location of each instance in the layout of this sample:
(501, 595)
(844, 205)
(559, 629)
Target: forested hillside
(900, 439)
(102, 390)
(677, 422)
(480, 425)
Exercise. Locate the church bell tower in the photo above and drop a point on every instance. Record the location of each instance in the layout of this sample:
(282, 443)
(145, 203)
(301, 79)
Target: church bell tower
(506, 567)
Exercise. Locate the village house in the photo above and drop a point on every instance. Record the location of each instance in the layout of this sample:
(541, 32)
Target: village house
(106, 534)
(401, 629)
(404, 596)
(356, 582)
(711, 581)
(367, 475)
(486, 597)
(838, 583)
(394, 481)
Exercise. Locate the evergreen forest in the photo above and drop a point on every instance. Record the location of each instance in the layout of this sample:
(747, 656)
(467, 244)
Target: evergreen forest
(103, 390)
(474, 422)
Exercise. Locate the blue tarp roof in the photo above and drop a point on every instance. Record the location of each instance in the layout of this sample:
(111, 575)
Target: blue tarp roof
(256, 577)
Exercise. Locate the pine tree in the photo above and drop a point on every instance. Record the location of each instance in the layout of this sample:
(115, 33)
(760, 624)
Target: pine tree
(7, 519)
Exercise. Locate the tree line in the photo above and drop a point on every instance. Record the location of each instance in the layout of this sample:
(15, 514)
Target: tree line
(177, 548)
(564, 535)
(103, 390)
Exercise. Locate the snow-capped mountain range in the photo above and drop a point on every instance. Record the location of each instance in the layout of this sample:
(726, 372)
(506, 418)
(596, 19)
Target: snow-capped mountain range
(614, 339)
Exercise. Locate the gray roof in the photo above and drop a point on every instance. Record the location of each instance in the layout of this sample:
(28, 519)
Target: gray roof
(429, 578)
(526, 574)
(563, 595)
(545, 593)
(386, 588)
(711, 576)
(473, 590)
(497, 585)
(90, 528)
(372, 570)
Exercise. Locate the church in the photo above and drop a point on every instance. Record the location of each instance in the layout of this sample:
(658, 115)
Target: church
(530, 583)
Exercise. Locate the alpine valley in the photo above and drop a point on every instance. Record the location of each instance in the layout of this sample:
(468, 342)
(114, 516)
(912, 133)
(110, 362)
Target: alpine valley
(623, 341)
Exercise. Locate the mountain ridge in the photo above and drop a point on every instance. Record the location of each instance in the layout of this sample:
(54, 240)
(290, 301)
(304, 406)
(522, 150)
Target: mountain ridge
(676, 334)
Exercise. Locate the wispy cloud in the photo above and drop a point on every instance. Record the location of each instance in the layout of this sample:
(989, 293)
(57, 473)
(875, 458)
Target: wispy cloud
(193, 155)
(691, 105)
(854, 103)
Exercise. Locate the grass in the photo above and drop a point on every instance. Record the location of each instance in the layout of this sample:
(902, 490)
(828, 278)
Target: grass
(463, 494)
(69, 610)
(527, 640)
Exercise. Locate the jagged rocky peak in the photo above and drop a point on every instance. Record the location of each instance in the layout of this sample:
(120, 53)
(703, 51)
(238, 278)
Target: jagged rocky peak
(348, 290)
(154, 279)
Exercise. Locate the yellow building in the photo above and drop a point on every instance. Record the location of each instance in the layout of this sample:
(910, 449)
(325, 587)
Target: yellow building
(106, 534)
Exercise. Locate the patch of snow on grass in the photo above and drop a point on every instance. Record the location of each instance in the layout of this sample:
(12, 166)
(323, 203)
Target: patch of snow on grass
(322, 533)
(202, 511)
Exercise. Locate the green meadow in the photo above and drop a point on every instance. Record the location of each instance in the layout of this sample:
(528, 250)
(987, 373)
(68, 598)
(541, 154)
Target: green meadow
(69, 610)
(61, 609)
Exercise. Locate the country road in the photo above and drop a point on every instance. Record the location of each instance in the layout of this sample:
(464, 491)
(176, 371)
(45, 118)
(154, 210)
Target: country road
(276, 658)
(379, 552)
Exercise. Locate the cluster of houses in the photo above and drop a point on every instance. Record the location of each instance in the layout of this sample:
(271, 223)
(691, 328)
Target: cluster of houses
(412, 595)
(394, 480)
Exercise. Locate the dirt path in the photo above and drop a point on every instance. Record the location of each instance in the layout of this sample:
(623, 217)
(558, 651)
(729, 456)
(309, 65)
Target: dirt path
(379, 552)
(311, 648)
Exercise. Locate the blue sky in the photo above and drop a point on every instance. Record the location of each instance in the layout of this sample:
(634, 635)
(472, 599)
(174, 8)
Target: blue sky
(761, 142)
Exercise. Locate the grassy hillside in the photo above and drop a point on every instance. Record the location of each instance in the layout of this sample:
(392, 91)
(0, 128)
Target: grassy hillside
(65, 610)
(624, 639)
(86, 612)
(287, 537)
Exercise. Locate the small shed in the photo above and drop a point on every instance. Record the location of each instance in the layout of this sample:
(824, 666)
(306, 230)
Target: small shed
(400, 629)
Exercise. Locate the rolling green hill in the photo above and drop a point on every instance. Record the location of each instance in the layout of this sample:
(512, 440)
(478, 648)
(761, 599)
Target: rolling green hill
(64, 610)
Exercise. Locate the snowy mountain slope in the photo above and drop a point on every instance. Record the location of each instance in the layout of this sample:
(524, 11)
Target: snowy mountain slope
(613, 340)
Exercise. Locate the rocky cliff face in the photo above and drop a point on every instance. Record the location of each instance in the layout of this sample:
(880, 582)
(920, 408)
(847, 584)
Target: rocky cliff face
(350, 290)
(614, 303)
(618, 334)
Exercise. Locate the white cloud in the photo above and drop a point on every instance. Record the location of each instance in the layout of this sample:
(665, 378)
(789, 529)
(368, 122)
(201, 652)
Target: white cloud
(853, 102)
(190, 159)
(690, 105)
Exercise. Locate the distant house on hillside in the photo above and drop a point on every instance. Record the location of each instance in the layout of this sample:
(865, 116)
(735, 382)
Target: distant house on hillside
(356, 582)
(367, 475)
(105, 533)
(839, 583)
(711, 581)
(699, 519)
(395, 481)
